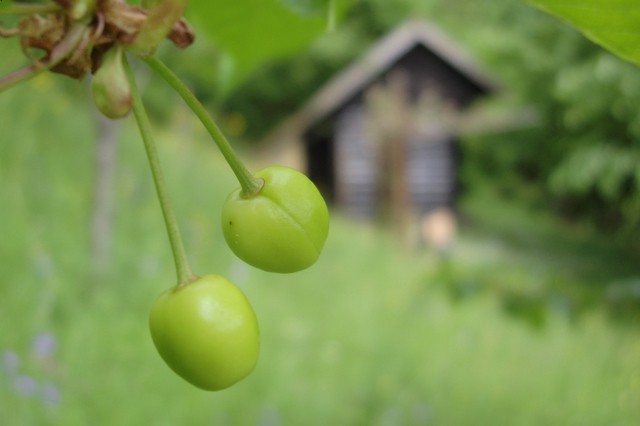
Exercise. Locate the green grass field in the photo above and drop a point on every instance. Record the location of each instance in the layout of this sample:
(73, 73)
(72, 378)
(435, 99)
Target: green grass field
(368, 336)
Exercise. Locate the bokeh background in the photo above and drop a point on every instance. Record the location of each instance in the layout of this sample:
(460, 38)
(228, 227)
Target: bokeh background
(527, 314)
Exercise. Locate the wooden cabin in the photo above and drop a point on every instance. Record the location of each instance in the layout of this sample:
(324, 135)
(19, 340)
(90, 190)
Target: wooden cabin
(382, 134)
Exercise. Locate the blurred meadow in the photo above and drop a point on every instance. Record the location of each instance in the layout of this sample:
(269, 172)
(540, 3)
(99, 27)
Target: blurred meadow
(531, 317)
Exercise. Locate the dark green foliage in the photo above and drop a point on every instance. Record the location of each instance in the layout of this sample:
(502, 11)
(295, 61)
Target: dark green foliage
(581, 160)
(268, 98)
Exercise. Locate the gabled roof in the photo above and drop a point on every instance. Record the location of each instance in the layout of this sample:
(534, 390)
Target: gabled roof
(382, 56)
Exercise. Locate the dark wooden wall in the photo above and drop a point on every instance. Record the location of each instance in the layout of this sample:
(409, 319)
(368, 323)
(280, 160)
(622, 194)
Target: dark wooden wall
(344, 158)
(431, 173)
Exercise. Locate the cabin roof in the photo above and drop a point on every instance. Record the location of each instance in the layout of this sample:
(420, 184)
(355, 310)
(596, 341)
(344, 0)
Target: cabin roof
(380, 58)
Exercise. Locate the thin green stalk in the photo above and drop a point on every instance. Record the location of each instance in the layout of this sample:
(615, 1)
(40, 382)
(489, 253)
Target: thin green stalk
(183, 270)
(250, 185)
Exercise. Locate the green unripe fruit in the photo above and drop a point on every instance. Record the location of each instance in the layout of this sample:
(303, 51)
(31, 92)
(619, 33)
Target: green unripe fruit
(110, 86)
(283, 227)
(207, 332)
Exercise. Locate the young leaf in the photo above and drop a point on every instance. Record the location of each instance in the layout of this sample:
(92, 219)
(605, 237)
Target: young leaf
(252, 32)
(614, 24)
(161, 18)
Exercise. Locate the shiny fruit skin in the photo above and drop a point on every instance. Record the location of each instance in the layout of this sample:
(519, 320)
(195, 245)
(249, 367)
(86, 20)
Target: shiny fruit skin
(283, 227)
(207, 332)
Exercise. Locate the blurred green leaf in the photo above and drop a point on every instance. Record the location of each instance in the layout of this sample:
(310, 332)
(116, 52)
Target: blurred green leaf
(614, 24)
(253, 32)
(601, 167)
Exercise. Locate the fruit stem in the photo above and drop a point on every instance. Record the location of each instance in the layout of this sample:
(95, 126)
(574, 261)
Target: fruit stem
(183, 270)
(250, 185)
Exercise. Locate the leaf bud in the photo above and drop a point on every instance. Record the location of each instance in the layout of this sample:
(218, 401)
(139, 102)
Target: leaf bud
(110, 86)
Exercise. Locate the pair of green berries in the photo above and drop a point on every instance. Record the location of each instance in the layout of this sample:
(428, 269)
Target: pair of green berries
(207, 331)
